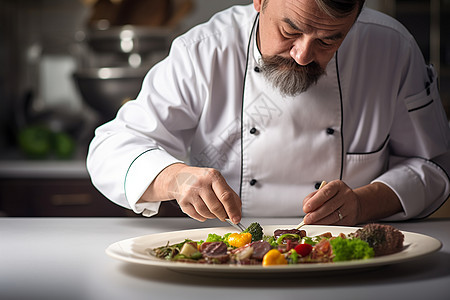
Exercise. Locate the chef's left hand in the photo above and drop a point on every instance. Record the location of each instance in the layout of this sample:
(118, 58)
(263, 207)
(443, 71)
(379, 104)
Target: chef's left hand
(333, 204)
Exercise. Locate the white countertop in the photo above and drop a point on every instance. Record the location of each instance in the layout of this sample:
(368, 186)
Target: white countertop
(64, 258)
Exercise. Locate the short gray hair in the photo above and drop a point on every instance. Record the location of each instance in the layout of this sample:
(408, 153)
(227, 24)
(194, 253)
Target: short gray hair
(334, 8)
(340, 8)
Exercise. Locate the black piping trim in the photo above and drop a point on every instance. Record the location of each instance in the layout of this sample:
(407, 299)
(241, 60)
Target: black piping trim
(386, 140)
(342, 117)
(372, 152)
(420, 107)
(242, 105)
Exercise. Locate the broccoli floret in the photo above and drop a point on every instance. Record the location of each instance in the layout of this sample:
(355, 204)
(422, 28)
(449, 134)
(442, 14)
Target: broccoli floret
(350, 249)
(256, 231)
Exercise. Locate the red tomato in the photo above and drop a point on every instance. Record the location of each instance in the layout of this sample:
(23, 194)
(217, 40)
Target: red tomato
(303, 249)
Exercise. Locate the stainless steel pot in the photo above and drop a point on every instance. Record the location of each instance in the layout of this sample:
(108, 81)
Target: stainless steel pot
(106, 89)
(129, 39)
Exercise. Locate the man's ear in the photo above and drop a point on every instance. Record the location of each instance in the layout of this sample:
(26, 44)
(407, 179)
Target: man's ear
(257, 5)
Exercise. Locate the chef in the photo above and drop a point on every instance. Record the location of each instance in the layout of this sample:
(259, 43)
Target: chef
(252, 110)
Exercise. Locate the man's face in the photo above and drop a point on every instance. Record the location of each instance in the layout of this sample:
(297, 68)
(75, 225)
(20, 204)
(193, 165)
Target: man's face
(297, 40)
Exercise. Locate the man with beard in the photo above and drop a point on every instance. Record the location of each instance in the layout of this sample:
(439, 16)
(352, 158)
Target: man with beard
(252, 110)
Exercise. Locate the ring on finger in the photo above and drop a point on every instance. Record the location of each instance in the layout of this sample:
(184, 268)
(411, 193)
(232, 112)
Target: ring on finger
(340, 215)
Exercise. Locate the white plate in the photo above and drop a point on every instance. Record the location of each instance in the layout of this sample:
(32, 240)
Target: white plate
(135, 250)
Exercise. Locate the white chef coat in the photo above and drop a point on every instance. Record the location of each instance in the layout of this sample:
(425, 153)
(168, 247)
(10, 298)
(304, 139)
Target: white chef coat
(375, 116)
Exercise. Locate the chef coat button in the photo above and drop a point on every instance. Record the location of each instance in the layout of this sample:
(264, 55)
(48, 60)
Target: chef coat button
(257, 69)
(317, 185)
(253, 182)
(253, 130)
(330, 130)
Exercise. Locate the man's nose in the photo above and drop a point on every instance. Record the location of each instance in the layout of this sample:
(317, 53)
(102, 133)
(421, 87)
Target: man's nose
(302, 52)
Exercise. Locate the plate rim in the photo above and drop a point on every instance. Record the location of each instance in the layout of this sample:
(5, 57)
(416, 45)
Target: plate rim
(116, 251)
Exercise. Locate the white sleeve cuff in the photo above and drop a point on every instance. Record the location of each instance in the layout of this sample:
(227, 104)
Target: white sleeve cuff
(142, 171)
(420, 185)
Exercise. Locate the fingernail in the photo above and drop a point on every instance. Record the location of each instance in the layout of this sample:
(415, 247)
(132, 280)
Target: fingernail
(235, 220)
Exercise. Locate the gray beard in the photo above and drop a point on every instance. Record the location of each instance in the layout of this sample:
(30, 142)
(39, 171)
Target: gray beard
(288, 76)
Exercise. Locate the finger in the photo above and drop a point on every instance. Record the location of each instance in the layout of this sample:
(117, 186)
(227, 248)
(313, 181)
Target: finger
(214, 205)
(191, 212)
(202, 208)
(306, 206)
(229, 199)
(233, 205)
(317, 217)
(324, 211)
(336, 217)
(194, 206)
(320, 197)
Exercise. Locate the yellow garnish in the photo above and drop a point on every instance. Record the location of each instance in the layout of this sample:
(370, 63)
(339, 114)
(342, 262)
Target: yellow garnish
(239, 239)
(274, 257)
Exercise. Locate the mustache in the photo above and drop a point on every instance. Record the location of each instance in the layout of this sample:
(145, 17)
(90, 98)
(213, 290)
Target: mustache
(289, 65)
(290, 77)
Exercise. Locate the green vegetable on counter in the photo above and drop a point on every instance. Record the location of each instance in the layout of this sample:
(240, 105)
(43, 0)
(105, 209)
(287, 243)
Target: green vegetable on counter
(35, 141)
(63, 144)
(38, 142)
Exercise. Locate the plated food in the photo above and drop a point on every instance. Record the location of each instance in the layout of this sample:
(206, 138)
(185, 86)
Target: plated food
(283, 246)
(135, 251)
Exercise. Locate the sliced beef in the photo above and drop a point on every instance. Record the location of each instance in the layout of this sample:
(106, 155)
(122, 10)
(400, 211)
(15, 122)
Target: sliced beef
(260, 248)
(215, 252)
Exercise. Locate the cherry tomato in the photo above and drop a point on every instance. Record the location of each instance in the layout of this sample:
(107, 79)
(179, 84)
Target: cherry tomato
(303, 249)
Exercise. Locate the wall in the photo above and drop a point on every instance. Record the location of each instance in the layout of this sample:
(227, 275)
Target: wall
(37, 56)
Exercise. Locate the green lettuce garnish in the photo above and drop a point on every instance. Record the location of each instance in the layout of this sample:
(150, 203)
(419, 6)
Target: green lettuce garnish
(350, 249)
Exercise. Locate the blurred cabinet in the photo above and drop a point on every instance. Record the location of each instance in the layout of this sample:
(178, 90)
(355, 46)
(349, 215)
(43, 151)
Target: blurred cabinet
(55, 198)
(37, 197)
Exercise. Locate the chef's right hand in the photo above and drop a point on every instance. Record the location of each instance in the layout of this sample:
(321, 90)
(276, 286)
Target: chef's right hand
(202, 193)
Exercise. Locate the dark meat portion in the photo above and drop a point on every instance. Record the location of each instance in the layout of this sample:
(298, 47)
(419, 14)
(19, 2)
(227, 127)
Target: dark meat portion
(260, 248)
(384, 239)
(215, 252)
(214, 248)
(279, 232)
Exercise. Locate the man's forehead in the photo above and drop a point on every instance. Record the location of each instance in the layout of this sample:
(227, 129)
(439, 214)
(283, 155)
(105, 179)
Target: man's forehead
(331, 34)
(305, 15)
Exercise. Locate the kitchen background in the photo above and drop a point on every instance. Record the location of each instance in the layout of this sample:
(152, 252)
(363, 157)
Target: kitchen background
(67, 65)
